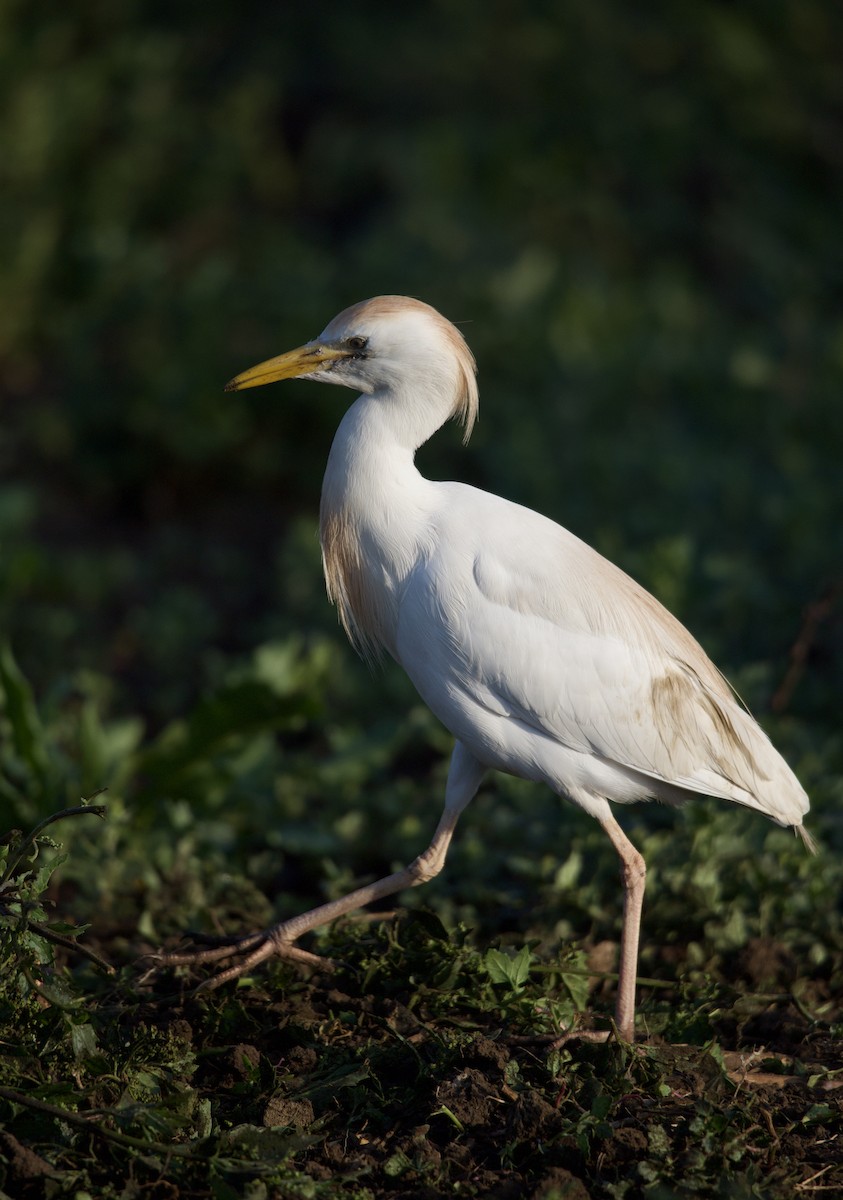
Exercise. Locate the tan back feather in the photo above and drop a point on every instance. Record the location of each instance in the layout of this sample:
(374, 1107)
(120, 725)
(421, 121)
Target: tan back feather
(358, 604)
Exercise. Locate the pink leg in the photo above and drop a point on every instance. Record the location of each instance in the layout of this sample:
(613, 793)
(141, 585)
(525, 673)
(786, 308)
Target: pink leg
(634, 874)
(464, 778)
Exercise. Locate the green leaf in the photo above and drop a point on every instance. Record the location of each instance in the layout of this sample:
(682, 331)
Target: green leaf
(444, 1111)
(817, 1113)
(575, 979)
(396, 1166)
(217, 723)
(27, 731)
(569, 872)
(84, 1041)
(514, 971)
(106, 750)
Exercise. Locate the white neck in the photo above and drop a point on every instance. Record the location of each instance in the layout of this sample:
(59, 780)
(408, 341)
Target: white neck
(374, 512)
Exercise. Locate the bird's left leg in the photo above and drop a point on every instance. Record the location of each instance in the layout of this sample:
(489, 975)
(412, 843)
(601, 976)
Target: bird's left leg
(634, 875)
(464, 778)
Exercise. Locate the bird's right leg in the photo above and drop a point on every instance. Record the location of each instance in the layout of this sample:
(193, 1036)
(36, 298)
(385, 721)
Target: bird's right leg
(464, 778)
(634, 875)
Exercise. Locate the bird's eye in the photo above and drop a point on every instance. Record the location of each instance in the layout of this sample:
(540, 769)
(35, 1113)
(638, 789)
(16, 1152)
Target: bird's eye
(357, 343)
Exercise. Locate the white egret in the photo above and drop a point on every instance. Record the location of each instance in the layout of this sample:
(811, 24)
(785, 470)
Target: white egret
(541, 657)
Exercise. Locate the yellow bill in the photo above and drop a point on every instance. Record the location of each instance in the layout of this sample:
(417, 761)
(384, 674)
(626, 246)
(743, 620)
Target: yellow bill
(286, 366)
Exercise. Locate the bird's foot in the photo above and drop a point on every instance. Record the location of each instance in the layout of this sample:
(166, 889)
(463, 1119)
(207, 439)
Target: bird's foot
(246, 951)
(622, 1031)
(582, 1035)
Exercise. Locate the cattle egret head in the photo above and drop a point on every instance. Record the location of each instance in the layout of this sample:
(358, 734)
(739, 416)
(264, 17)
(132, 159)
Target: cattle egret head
(383, 347)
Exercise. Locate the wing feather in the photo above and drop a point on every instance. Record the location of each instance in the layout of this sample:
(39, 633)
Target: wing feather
(538, 626)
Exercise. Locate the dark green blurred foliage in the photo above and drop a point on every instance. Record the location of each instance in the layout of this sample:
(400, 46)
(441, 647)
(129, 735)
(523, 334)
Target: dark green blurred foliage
(634, 216)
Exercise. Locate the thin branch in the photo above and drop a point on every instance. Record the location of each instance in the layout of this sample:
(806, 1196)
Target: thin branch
(73, 947)
(813, 616)
(98, 809)
(83, 1122)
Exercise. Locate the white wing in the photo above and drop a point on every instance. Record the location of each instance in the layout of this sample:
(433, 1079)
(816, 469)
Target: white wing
(510, 616)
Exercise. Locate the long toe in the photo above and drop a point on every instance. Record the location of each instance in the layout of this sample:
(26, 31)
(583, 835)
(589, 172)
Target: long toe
(221, 948)
(269, 947)
(247, 952)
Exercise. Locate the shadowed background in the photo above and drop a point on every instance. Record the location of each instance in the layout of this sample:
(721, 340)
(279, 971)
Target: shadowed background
(635, 220)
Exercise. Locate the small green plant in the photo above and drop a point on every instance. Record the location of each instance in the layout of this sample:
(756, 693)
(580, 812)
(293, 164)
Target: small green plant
(29, 936)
